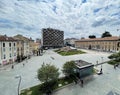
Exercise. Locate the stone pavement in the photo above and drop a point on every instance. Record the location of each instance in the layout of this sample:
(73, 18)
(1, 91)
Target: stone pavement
(28, 72)
(99, 85)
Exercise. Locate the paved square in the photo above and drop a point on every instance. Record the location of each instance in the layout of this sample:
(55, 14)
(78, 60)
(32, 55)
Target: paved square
(100, 85)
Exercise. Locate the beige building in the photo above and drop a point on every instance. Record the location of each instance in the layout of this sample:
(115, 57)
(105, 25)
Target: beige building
(31, 41)
(8, 50)
(23, 46)
(36, 48)
(20, 49)
(111, 44)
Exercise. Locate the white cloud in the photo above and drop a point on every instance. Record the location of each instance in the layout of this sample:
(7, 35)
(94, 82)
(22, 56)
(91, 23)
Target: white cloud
(75, 18)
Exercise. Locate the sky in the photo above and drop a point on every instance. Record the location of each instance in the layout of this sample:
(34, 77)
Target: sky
(77, 18)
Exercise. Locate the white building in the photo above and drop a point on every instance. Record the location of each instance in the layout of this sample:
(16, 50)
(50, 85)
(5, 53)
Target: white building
(8, 50)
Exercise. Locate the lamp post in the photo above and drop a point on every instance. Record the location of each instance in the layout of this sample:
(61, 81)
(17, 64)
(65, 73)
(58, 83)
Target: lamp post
(97, 62)
(18, 83)
(101, 65)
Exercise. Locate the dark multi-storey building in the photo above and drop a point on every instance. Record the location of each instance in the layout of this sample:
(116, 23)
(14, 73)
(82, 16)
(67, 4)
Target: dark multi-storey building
(52, 38)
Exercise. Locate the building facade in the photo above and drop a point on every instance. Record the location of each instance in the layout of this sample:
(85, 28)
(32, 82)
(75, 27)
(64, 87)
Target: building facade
(23, 46)
(36, 49)
(31, 41)
(20, 49)
(109, 44)
(52, 38)
(8, 50)
(38, 40)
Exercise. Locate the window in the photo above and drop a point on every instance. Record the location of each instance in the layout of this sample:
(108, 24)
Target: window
(14, 44)
(3, 44)
(4, 56)
(10, 55)
(10, 49)
(4, 49)
(17, 49)
(9, 44)
(14, 54)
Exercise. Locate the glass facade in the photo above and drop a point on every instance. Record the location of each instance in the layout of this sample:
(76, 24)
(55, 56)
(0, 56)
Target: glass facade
(85, 71)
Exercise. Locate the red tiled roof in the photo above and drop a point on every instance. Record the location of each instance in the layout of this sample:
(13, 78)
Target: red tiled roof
(114, 38)
(5, 38)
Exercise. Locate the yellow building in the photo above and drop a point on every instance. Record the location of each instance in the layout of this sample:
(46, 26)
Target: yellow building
(20, 49)
(23, 45)
(36, 48)
(110, 44)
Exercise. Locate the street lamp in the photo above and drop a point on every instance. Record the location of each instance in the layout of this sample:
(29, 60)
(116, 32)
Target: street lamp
(97, 62)
(18, 76)
(101, 65)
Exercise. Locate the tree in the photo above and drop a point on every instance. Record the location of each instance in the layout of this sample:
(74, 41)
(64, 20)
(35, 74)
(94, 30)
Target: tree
(68, 68)
(92, 36)
(48, 87)
(115, 58)
(82, 37)
(106, 34)
(47, 73)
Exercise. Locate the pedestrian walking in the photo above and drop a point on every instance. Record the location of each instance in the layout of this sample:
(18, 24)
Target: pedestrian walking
(101, 71)
(114, 66)
(117, 65)
(12, 67)
(82, 83)
(23, 64)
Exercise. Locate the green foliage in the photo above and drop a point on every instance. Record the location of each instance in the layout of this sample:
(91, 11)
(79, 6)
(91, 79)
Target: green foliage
(92, 36)
(68, 68)
(112, 62)
(106, 34)
(46, 87)
(71, 52)
(48, 72)
(35, 91)
(115, 58)
(65, 79)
